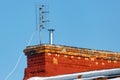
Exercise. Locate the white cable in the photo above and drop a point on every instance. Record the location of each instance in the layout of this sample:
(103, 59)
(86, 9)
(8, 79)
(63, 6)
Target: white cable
(31, 38)
(19, 58)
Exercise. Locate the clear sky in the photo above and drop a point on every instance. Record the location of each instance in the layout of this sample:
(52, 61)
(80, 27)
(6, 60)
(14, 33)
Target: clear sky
(91, 24)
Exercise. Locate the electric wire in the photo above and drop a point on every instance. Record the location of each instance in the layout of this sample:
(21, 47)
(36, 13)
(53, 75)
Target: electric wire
(28, 43)
(19, 58)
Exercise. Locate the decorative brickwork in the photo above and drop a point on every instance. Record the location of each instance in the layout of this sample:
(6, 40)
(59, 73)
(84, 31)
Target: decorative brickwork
(52, 60)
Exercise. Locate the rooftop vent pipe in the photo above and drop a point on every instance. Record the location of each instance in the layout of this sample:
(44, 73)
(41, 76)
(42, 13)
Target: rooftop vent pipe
(51, 36)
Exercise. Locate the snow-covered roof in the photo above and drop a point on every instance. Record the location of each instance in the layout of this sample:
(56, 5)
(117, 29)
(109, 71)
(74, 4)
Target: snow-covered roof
(35, 78)
(38, 78)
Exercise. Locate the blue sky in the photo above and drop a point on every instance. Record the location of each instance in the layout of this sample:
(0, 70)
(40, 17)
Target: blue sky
(83, 23)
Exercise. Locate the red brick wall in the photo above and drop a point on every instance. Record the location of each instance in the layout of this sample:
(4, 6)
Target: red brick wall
(47, 64)
(35, 66)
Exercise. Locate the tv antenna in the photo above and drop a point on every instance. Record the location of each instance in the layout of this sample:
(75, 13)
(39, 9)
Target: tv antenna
(42, 20)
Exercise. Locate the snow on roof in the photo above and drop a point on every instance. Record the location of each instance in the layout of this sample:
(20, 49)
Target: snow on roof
(39, 78)
(35, 78)
(115, 79)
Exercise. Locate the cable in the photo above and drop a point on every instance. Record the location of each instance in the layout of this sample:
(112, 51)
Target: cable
(28, 43)
(15, 67)
(19, 58)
